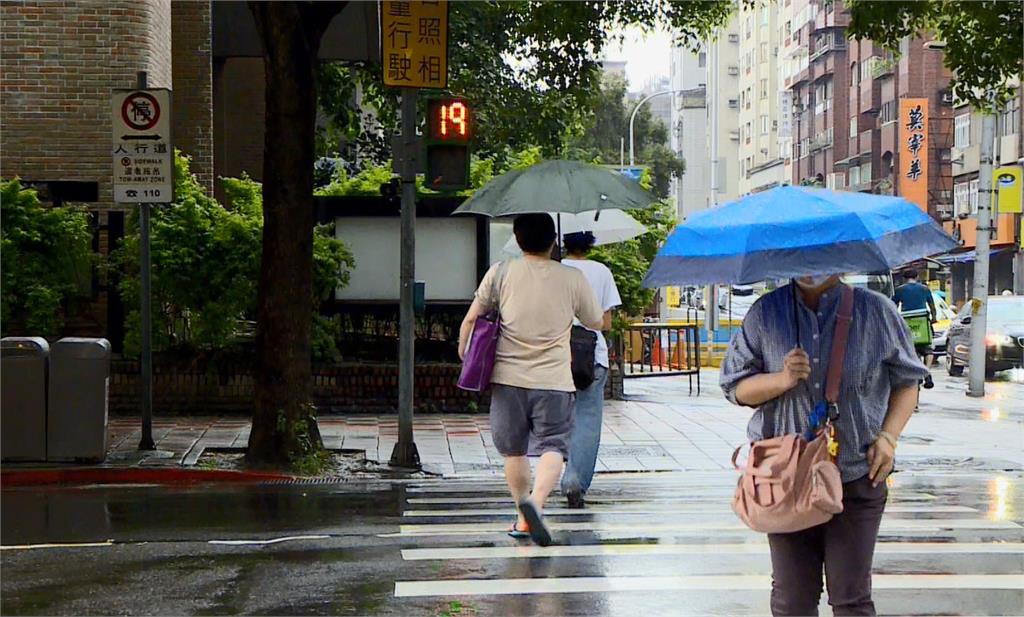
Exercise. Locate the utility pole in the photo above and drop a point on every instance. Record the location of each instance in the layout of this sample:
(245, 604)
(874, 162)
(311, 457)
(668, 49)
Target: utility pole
(146, 284)
(979, 318)
(711, 304)
(405, 453)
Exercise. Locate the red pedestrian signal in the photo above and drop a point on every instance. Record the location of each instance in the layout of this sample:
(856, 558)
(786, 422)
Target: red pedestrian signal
(449, 132)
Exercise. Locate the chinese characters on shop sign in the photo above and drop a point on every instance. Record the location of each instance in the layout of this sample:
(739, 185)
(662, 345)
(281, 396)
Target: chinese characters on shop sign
(913, 180)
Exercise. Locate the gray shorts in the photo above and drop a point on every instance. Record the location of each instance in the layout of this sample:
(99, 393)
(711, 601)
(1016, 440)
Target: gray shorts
(518, 413)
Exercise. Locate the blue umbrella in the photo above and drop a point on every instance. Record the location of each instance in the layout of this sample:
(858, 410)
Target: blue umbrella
(794, 231)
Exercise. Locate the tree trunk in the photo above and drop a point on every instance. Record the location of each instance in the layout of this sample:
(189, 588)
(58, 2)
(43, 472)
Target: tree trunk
(284, 425)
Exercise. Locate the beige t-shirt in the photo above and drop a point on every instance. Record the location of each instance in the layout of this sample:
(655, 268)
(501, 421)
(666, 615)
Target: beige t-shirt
(538, 302)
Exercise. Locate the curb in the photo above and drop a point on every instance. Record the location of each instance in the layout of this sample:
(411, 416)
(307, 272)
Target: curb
(100, 475)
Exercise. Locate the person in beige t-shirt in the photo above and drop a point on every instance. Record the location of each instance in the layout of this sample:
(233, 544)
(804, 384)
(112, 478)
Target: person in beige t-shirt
(532, 391)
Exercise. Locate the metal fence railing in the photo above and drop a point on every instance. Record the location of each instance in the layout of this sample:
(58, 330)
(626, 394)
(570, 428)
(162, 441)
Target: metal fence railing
(658, 349)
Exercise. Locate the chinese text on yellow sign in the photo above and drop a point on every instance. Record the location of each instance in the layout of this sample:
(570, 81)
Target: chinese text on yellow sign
(414, 40)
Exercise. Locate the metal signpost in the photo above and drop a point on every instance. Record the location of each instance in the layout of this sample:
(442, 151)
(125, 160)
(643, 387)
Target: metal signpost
(414, 48)
(143, 163)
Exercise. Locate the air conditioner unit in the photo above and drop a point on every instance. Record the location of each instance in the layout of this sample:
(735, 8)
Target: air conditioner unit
(734, 38)
(734, 70)
(733, 103)
(945, 211)
(948, 98)
(775, 125)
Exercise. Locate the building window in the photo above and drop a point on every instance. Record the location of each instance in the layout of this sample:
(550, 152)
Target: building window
(702, 60)
(749, 27)
(962, 197)
(888, 113)
(750, 97)
(853, 126)
(974, 196)
(854, 176)
(765, 125)
(962, 131)
(865, 172)
(749, 131)
(1009, 119)
(866, 66)
(764, 88)
(764, 52)
(765, 15)
(854, 75)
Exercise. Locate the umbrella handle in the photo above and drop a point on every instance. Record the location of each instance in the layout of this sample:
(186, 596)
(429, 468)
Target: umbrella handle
(796, 312)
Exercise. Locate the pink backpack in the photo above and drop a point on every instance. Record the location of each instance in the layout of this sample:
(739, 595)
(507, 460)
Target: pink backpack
(790, 484)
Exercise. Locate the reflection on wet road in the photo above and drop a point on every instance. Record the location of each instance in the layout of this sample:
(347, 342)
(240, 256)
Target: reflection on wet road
(951, 543)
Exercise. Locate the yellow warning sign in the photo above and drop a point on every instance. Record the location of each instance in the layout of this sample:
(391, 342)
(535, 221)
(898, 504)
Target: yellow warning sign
(414, 44)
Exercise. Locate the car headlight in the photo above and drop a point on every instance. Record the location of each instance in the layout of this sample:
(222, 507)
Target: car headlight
(998, 339)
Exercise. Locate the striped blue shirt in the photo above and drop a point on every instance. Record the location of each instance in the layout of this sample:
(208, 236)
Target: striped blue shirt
(880, 358)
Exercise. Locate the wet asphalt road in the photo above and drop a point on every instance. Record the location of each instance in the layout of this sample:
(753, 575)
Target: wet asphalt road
(651, 544)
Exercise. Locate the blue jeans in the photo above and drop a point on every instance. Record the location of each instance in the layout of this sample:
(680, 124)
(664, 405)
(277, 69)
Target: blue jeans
(586, 435)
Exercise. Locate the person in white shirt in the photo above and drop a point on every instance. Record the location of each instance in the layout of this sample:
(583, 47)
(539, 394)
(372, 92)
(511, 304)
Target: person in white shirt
(586, 434)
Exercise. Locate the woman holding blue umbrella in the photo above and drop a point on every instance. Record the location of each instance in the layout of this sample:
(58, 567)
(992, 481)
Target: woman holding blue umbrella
(782, 364)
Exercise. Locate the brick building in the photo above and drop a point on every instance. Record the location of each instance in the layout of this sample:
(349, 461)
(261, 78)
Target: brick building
(61, 59)
(846, 96)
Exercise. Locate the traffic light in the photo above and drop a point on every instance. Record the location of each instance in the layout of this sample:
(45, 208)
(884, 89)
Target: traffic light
(449, 132)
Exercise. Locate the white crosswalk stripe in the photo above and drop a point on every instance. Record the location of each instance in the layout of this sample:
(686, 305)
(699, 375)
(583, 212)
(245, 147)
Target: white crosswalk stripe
(926, 543)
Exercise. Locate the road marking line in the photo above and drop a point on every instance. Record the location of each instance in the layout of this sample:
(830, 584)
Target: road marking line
(888, 526)
(699, 510)
(29, 547)
(588, 584)
(265, 542)
(747, 548)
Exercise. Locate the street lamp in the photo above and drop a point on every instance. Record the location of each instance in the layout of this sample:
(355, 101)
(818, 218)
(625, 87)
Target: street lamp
(985, 227)
(632, 117)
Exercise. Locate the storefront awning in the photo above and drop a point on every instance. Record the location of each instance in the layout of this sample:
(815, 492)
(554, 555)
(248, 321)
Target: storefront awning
(966, 256)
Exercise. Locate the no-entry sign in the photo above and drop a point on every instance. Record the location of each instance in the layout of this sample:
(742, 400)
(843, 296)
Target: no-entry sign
(143, 155)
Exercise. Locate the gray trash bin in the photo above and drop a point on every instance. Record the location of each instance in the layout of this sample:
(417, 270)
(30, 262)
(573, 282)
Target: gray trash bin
(23, 398)
(76, 425)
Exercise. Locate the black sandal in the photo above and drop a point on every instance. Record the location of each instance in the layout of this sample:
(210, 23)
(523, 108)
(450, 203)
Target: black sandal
(538, 530)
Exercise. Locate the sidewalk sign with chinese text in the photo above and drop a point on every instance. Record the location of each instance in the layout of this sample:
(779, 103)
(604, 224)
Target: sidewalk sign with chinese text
(143, 155)
(1007, 182)
(414, 44)
(913, 149)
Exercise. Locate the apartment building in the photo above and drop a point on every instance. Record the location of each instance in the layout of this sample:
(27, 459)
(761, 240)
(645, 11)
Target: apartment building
(1006, 267)
(707, 82)
(760, 166)
(688, 130)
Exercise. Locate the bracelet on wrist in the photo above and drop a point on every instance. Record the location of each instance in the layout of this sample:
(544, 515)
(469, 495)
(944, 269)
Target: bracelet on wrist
(886, 435)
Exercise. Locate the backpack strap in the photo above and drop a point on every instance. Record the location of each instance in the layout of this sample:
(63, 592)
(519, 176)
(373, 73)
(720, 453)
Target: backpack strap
(839, 339)
(499, 278)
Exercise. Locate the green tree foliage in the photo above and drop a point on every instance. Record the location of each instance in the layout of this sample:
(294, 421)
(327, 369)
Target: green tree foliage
(206, 264)
(531, 70)
(600, 140)
(47, 261)
(630, 260)
(984, 39)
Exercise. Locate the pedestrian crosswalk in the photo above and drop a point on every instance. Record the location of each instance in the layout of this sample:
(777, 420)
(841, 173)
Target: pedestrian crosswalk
(941, 549)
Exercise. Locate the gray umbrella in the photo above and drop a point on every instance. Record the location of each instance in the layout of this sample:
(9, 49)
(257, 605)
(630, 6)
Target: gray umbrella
(557, 186)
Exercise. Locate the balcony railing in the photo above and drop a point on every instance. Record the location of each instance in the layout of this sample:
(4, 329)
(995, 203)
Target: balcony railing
(883, 67)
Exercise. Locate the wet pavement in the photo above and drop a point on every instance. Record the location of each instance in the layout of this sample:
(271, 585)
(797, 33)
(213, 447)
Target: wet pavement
(664, 543)
(660, 427)
(649, 544)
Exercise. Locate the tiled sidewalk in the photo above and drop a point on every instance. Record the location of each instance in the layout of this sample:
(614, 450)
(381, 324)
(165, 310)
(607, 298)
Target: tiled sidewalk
(637, 436)
(659, 428)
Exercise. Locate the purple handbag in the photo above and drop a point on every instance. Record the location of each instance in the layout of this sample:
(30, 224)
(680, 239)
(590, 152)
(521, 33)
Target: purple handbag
(478, 363)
